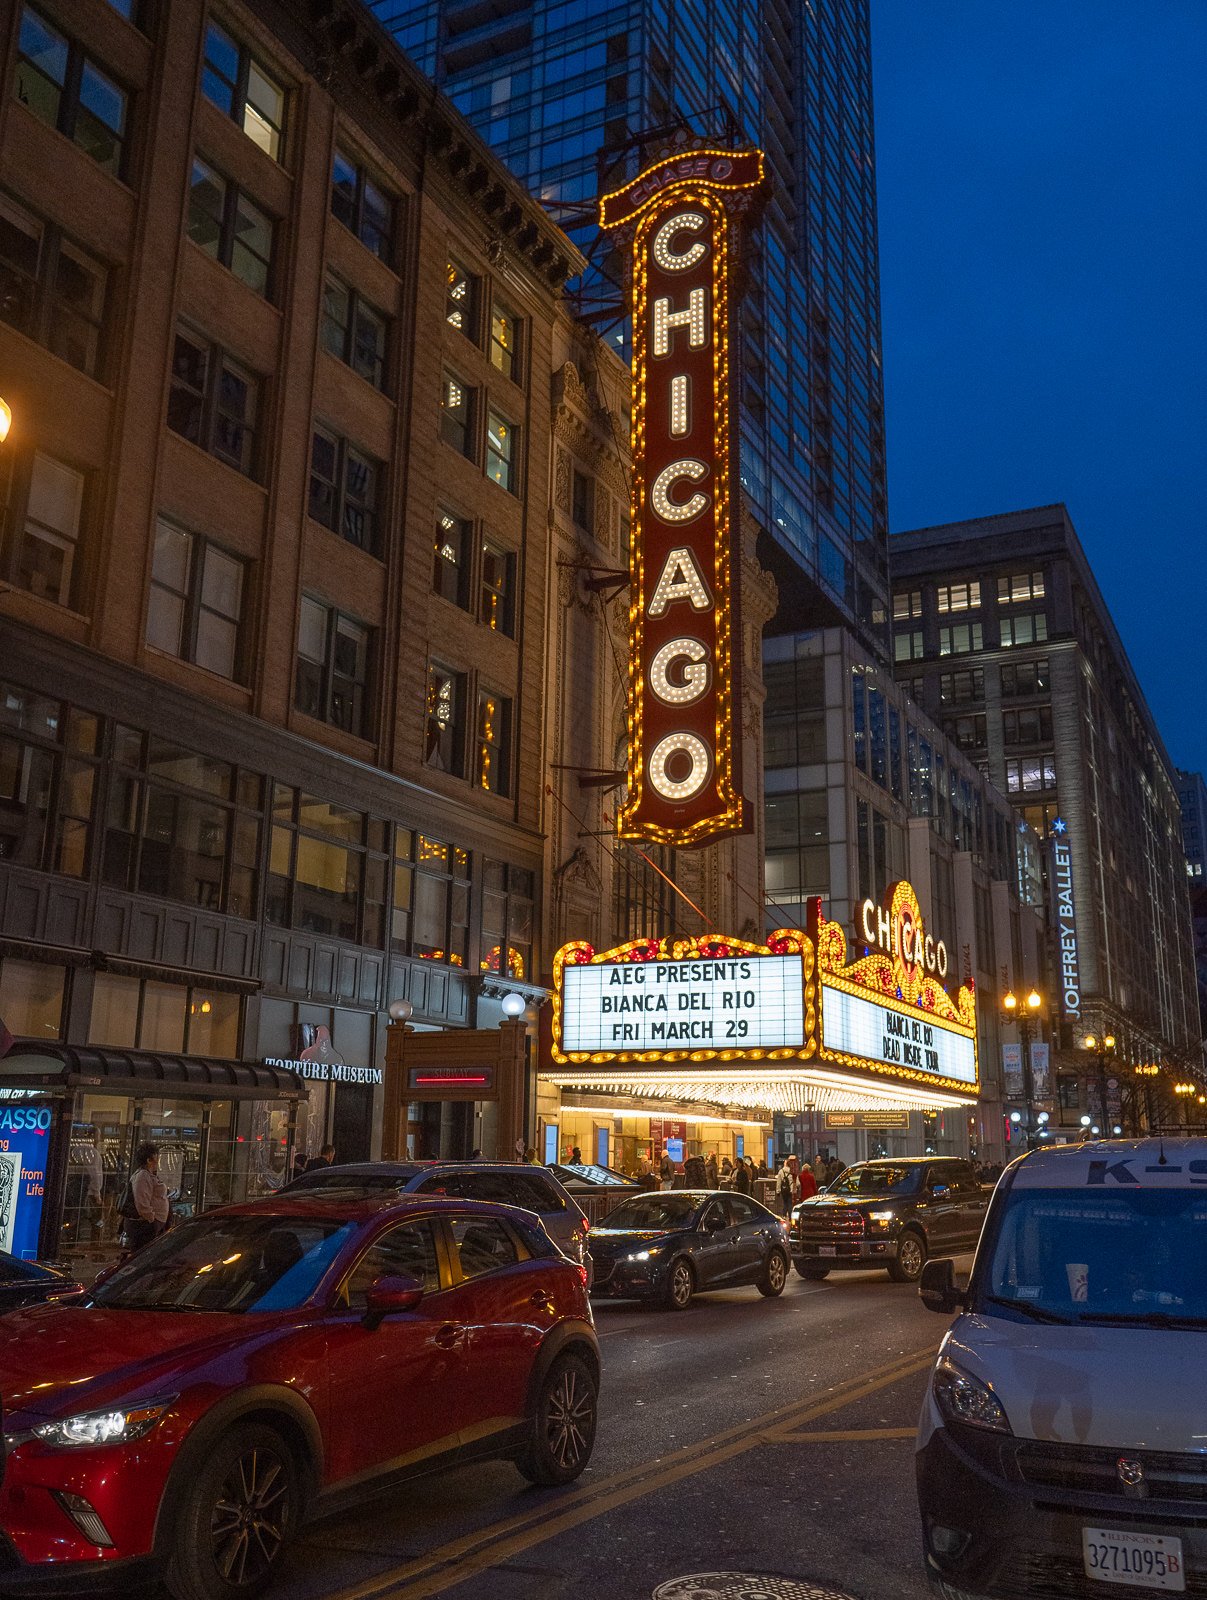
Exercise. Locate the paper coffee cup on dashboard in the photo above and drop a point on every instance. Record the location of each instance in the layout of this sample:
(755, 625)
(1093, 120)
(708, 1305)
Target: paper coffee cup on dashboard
(1079, 1280)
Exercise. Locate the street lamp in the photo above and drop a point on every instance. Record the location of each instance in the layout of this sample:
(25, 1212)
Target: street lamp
(6, 419)
(1101, 1046)
(1025, 1015)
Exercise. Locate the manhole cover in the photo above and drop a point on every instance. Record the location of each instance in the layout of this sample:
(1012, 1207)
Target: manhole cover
(744, 1586)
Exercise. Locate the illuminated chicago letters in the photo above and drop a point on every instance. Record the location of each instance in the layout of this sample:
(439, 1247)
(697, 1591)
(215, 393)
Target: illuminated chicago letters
(681, 221)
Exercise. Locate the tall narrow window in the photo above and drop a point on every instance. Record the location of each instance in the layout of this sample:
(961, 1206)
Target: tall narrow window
(344, 489)
(461, 301)
(230, 227)
(243, 90)
(501, 452)
(450, 571)
(505, 342)
(196, 604)
(498, 571)
(354, 331)
(50, 288)
(364, 208)
(457, 414)
(213, 401)
(444, 739)
(44, 557)
(66, 88)
(493, 743)
(332, 679)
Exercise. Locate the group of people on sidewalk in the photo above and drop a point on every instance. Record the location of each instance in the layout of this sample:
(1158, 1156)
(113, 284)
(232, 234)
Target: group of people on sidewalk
(797, 1180)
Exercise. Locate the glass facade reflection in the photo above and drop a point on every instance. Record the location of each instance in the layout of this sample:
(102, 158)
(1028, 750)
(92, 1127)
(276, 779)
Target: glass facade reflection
(561, 90)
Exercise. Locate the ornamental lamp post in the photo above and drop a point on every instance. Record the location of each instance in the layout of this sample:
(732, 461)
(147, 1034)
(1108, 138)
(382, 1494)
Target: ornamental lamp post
(1024, 1014)
(1146, 1070)
(6, 419)
(1102, 1047)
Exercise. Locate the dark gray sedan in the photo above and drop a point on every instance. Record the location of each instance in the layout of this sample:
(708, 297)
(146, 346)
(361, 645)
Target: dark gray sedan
(28, 1283)
(666, 1246)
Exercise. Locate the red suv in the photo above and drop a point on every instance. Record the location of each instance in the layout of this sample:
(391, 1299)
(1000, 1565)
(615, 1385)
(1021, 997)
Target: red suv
(254, 1365)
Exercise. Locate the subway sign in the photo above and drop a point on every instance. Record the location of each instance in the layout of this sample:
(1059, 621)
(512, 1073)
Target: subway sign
(681, 221)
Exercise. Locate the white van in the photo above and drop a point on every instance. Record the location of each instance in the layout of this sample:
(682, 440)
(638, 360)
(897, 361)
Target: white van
(1062, 1450)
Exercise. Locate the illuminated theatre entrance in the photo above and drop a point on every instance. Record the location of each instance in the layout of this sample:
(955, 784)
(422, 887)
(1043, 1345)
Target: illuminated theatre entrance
(715, 1036)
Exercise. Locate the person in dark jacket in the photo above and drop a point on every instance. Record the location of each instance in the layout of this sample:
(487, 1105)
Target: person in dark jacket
(741, 1178)
(325, 1158)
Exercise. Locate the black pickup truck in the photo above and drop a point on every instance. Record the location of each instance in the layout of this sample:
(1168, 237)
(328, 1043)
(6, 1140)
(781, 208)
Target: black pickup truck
(891, 1213)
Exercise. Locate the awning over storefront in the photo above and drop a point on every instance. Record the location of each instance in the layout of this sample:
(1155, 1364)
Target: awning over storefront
(60, 1067)
(787, 1089)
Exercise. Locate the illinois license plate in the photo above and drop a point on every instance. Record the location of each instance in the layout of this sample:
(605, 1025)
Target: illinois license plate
(827, 1249)
(1145, 1560)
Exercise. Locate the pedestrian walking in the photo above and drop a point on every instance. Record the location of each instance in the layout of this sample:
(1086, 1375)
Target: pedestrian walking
(712, 1171)
(325, 1158)
(806, 1184)
(788, 1185)
(741, 1178)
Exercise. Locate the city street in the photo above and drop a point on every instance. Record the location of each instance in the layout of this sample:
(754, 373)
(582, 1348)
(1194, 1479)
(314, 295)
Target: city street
(744, 1435)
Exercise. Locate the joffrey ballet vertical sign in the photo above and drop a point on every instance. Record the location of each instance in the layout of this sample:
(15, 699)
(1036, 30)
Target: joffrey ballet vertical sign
(681, 221)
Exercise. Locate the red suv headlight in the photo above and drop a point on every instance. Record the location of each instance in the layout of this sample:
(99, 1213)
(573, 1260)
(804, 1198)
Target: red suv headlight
(89, 1428)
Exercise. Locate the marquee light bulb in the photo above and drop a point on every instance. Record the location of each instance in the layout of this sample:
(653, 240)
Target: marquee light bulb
(660, 498)
(695, 676)
(680, 392)
(679, 788)
(679, 260)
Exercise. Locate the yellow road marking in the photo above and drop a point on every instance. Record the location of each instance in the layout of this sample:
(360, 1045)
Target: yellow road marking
(461, 1559)
(850, 1436)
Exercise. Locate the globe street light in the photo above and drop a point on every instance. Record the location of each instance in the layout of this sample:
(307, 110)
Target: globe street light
(6, 419)
(1101, 1046)
(1025, 1015)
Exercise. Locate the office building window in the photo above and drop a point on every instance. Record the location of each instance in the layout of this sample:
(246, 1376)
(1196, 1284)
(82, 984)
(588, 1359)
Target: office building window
(959, 638)
(461, 300)
(507, 919)
(450, 569)
(182, 825)
(908, 646)
(31, 998)
(332, 680)
(243, 90)
(1031, 774)
(1020, 586)
(196, 603)
(967, 732)
(502, 454)
(65, 88)
(958, 688)
(42, 526)
(457, 405)
(344, 489)
(444, 738)
(493, 743)
(50, 289)
(49, 778)
(1020, 678)
(431, 899)
(213, 401)
(907, 603)
(354, 331)
(145, 1014)
(505, 342)
(1027, 627)
(498, 581)
(364, 208)
(1031, 725)
(582, 498)
(959, 597)
(229, 227)
(328, 868)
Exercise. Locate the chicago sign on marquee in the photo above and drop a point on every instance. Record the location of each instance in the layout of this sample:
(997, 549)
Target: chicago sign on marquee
(681, 221)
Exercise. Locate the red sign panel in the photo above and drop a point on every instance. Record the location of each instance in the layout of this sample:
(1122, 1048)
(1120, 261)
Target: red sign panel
(681, 219)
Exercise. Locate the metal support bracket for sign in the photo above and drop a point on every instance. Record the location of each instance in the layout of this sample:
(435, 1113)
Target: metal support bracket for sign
(607, 581)
(593, 777)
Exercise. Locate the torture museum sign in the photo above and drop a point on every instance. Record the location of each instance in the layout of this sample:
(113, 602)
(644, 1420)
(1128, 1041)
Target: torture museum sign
(681, 221)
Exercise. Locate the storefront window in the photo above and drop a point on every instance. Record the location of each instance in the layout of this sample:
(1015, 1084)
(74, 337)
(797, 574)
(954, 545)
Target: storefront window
(168, 1017)
(31, 998)
(100, 1156)
(176, 1126)
(327, 869)
(440, 919)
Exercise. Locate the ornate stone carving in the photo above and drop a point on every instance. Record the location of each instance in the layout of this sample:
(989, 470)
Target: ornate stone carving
(561, 490)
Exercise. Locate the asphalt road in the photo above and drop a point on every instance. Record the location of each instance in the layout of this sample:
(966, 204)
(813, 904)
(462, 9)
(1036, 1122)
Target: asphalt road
(741, 1436)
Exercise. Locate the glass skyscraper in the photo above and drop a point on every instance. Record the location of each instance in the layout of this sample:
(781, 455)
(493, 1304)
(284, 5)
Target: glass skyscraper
(567, 91)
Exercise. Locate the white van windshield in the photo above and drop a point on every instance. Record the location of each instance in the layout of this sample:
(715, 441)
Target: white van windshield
(1065, 1255)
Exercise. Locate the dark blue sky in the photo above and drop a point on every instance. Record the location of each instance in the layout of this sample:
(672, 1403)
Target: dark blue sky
(1042, 170)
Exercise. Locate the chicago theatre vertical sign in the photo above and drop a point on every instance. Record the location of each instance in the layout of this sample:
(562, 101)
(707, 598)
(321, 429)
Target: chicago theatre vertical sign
(682, 221)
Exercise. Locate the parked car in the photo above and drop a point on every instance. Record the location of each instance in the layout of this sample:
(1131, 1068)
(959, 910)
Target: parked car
(29, 1283)
(501, 1182)
(893, 1213)
(1060, 1449)
(665, 1246)
(261, 1362)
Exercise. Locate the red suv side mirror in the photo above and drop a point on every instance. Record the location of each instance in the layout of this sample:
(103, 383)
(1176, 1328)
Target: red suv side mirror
(391, 1293)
